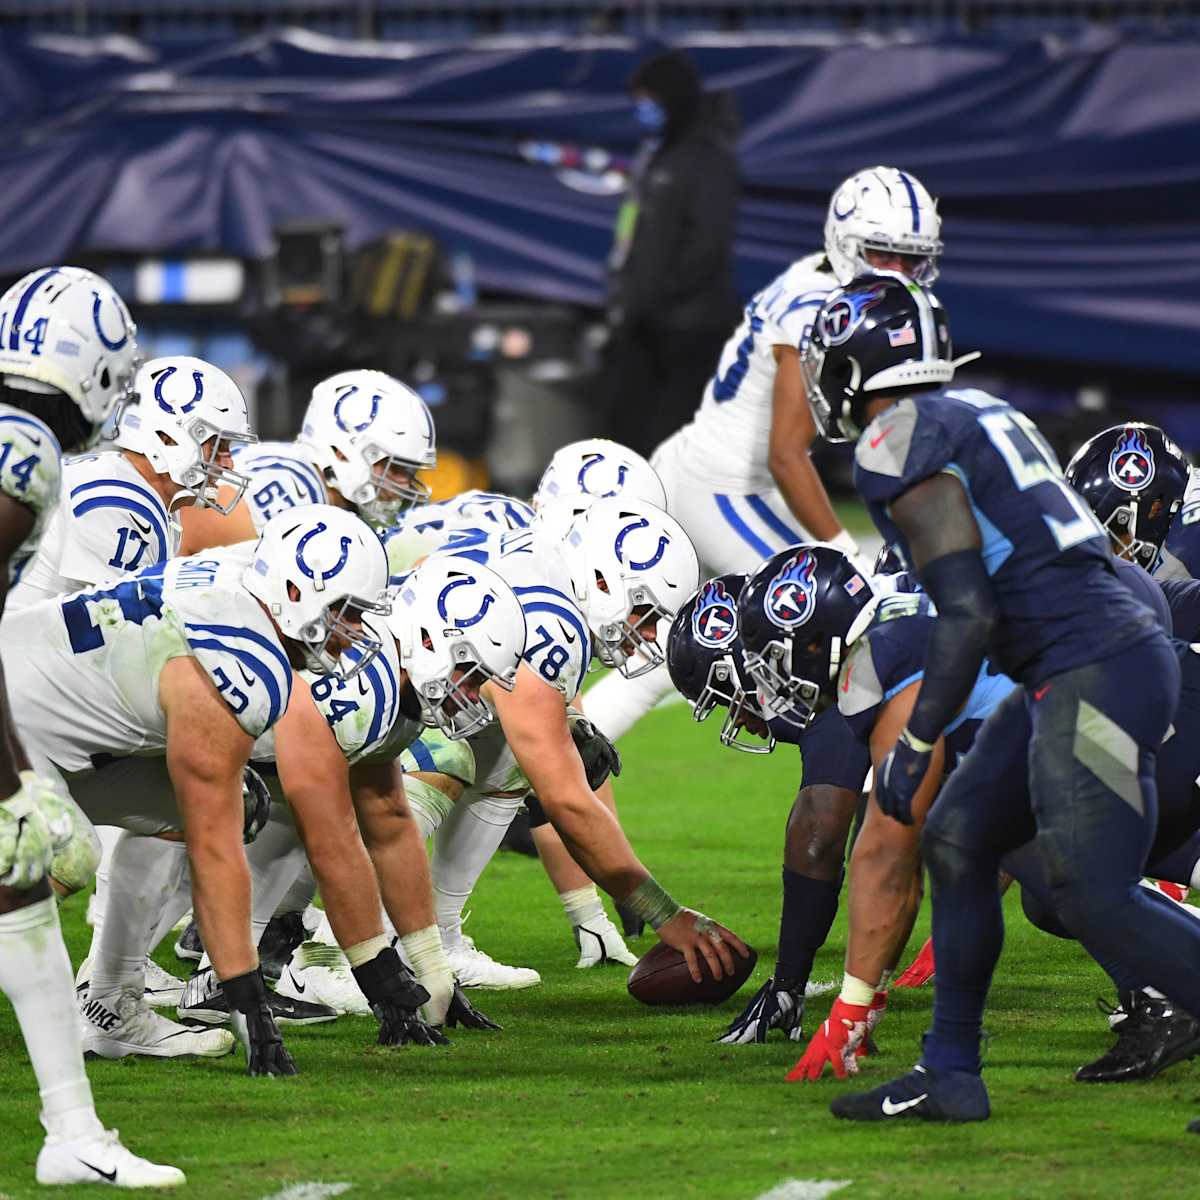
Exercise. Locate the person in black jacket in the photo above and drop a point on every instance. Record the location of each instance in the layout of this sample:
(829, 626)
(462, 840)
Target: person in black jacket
(671, 298)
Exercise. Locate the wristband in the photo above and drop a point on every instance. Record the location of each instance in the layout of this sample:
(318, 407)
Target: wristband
(425, 952)
(362, 952)
(910, 739)
(856, 991)
(245, 993)
(652, 903)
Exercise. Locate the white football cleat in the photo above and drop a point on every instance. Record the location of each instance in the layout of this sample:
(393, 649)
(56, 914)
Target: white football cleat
(313, 916)
(128, 1025)
(474, 969)
(601, 942)
(321, 974)
(162, 989)
(102, 1159)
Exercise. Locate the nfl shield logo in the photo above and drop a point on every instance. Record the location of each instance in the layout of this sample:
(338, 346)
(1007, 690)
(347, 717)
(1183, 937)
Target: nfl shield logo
(714, 619)
(1131, 464)
(791, 597)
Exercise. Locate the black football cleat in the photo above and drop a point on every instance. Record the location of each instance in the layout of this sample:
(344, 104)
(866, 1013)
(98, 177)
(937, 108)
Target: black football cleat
(189, 946)
(921, 1095)
(204, 1003)
(1154, 1035)
(278, 943)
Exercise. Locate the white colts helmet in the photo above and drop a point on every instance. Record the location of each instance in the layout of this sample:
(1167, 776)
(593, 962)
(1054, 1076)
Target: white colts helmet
(66, 329)
(361, 424)
(625, 555)
(883, 209)
(318, 569)
(182, 404)
(458, 625)
(595, 469)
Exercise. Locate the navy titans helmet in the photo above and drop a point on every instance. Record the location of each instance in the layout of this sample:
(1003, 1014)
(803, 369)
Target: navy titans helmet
(708, 665)
(879, 333)
(1133, 478)
(796, 614)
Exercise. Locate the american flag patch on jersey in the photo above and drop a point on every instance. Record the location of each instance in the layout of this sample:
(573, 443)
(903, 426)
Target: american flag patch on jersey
(902, 337)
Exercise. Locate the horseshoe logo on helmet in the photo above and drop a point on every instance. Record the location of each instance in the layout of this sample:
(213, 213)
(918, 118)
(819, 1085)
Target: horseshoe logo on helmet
(104, 339)
(320, 577)
(463, 622)
(589, 463)
(343, 425)
(197, 383)
(663, 542)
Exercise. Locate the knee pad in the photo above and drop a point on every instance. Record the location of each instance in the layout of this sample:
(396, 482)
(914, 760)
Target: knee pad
(74, 866)
(429, 806)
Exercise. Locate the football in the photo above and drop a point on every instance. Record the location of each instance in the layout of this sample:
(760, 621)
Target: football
(661, 977)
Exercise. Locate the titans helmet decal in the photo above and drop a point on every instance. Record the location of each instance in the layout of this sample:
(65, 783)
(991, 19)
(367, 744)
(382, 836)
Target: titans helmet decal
(714, 619)
(844, 316)
(1131, 464)
(791, 597)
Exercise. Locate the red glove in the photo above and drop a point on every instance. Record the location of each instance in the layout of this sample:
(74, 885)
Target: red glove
(834, 1043)
(920, 971)
(875, 1014)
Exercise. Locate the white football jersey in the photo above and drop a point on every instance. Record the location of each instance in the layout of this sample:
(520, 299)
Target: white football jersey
(558, 643)
(86, 666)
(282, 476)
(366, 713)
(728, 439)
(465, 520)
(108, 523)
(30, 472)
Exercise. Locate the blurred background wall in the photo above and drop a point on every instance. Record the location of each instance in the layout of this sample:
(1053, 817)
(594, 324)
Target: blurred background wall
(290, 189)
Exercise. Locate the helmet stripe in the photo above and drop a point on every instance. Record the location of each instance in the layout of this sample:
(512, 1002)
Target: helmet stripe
(912, 200)
(14, 336)
(929, 345)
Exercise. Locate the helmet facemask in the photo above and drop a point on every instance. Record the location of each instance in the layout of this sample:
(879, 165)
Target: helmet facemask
(452, 702)
(343, 624)
(206, 476)
(1123, 526)
(383, 498)
(724, 687)
(621, 643)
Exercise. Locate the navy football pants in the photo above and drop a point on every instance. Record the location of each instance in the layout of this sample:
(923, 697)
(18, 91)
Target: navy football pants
(1085, 742)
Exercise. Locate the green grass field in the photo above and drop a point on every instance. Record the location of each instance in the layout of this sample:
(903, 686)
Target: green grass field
(586, 1094)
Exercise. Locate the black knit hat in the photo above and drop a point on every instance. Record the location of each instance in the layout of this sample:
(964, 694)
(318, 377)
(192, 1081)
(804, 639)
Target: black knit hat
(672, 79)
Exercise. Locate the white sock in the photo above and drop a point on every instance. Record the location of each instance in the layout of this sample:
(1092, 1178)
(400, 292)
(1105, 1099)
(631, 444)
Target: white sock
(109, 835)
(36, 975)
(463, 846)
(145, 874)
(616, 704)
(583, 906)
(430, 807)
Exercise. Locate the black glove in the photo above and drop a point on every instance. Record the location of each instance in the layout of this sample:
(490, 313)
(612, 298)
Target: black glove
(256, 804)
(395, 995)
(463, 1012)
(600, 757)
(774, 1006)
(252, 1022)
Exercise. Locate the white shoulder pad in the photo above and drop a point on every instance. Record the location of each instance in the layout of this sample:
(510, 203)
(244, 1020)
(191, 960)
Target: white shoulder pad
(281, 477)
(30, 460)
(230, 636)
(883, 446)
(859, 688)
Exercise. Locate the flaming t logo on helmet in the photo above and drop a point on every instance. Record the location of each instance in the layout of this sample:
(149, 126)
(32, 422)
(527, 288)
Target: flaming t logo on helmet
(165, 405)
(714, 619)
(589, 463)
(791, 596)
(1131, 464)
(844, 316)
(320, 576)
(346, 426)
(463, 622)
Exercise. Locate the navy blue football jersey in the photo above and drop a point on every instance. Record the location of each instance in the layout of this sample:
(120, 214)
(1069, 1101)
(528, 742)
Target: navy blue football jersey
(1183, 599)
(1059, 602)
(830, 753)
(890, 655)
(1143, 586)
(1180, 557)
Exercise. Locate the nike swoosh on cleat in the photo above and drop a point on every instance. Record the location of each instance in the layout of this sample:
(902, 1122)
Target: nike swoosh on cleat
(111, 1176)
(892, 1107)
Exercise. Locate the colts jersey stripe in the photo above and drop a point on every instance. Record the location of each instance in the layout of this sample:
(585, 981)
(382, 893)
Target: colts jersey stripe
(422, 757)
(725, 507)
(44, 430)
(123, 502)
(569, 613)
(255, 665)
(772, 522)
(250, 636)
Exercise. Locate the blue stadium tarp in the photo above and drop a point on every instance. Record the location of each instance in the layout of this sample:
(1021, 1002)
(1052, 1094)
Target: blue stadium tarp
(1068, 170)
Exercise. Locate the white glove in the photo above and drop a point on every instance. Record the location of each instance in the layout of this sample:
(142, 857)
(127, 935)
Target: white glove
(601, 942)
(57, 810)
(26, 845)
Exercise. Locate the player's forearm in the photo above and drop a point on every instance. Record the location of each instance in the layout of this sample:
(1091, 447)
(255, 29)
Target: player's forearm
(221, 900)
(596, 842)
(802, 489)
(883, 903)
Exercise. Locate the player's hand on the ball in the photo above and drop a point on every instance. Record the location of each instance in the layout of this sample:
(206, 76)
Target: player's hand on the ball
(773, 1007)
(696, 936)
(26, 843)
(463, 1012)
(834, 1043)
(900, 776)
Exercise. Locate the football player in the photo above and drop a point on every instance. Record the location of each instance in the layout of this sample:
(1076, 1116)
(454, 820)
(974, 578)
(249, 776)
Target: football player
(1011, 557)
(739, 477)
(119, 514)
(622, 567)
(147, 697)
(777, 608)
(68, 353)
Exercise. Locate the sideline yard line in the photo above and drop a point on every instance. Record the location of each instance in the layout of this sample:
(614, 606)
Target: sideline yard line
(315, 1190)
(805, 1189)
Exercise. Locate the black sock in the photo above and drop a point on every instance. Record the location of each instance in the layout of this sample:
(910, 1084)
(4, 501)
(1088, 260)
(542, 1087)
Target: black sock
(809, 907)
